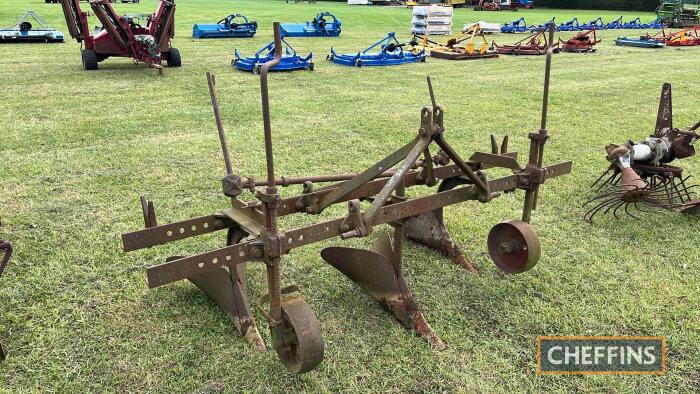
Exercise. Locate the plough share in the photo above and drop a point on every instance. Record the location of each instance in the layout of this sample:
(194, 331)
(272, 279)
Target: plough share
(253, 233)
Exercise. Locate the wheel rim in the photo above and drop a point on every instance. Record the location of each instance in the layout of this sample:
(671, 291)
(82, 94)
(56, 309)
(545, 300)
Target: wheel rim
(297, 340)
(514, 246)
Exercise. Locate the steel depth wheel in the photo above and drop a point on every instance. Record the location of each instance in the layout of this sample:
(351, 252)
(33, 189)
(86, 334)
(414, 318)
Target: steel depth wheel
(514, 246)
(297, 340)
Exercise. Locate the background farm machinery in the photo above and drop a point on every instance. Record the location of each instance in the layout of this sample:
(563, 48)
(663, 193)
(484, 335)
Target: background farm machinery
(25, 31)
(457, 47)
(582, 42)
(536, 43)
(640, 176)
(391, 52)
(123, 36)
(233, 26)
(289, 60)
(373, 197)
(324, 24)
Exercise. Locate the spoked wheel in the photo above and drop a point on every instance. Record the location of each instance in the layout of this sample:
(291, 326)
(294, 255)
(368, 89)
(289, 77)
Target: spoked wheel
(514, 246)
(298, 340)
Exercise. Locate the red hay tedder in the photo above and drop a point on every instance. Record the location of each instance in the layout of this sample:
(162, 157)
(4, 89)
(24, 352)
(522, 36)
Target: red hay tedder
(123, 35)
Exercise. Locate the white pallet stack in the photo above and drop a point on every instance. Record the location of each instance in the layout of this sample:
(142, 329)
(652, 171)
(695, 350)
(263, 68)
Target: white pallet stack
(432, 19)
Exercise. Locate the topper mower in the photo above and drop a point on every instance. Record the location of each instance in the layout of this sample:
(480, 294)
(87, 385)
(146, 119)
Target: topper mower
(25, 31)
(571, 25)
(233, 26)
(453, 48)
(121, 36)
(289, 61)
(535, 44)
(545, 26)
(6, 250)
(318, 27)
(518, 26)
(391, 53)
(374, 198)
(683, 38)
(633, 24)
(616, 24)
(581, 43)
(645, 41)
(597, 24)
(640, 176)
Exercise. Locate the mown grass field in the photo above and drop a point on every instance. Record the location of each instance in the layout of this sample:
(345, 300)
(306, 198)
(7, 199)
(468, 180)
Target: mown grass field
(77, 148)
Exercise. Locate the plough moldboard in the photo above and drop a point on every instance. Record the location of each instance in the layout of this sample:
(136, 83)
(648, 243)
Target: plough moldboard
(641, 178)
(374, 197)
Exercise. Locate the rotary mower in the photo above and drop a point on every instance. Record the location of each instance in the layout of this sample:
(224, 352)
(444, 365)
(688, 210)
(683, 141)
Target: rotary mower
(391, 53)
(318, 27)
(454, 47)
(545, 26)
(25, 31)
(571, 25)
(645, 41)
(518, 26)
(597, 24)
(683, 38)
(375, 197)
(536, 43)
(6, 250)
(289, 60)
(581, 43)
(233, 26)
(640, 176)
(616, 24)
(122, 36)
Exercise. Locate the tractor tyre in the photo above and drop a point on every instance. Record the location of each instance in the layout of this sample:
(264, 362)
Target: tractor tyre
(173, 58)
(89, 59)
(311, 66)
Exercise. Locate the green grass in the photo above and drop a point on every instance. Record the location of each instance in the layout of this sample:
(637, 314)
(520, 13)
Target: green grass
(78, 147)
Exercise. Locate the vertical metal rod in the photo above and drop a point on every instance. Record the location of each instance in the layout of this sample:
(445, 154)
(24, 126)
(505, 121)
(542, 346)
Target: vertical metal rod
(211, 79)
(270, 209)
(266, 104)
(547, 73)
(537, 146)
(432, 94)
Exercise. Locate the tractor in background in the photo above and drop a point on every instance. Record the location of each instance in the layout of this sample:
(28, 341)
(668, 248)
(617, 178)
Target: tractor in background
(678, 13)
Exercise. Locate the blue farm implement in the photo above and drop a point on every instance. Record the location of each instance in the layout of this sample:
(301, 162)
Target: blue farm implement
(616, 24)
(633, 24)
(518, 26)
(391, 53)
(24, 31)
(318, 27)
(289, 61)
(233, 26)
(544, 26)
(646, 41)
(572, 25)
(597, 24)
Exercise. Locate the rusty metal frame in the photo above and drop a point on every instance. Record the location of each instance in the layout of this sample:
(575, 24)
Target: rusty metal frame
(253, 233)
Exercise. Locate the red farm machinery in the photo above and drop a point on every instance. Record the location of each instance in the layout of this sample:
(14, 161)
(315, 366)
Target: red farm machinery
(123, 36)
